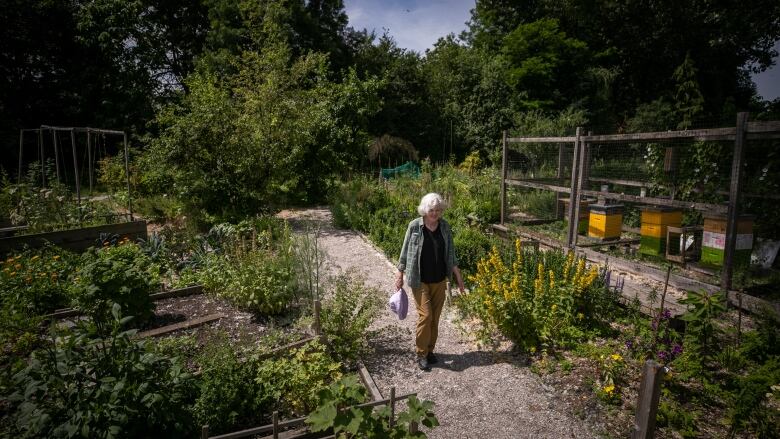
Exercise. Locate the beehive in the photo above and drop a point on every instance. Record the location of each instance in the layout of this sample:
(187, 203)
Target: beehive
(582, 225)
(713, 247)
(655, 220)
(605, 221)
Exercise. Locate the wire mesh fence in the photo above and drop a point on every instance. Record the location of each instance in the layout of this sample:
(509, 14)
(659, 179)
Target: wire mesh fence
(670, 194)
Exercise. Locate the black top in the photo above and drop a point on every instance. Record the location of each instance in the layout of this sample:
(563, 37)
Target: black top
(433, 264)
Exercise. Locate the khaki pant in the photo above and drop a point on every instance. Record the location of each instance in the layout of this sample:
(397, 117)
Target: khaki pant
(429, 299)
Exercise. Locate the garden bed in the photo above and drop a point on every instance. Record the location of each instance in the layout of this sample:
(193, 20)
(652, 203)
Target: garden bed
(75, 239)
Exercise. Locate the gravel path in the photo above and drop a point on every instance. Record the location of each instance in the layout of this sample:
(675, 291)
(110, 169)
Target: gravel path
(478, 394)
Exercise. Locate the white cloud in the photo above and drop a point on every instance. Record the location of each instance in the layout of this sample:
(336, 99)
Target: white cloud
(414, 24)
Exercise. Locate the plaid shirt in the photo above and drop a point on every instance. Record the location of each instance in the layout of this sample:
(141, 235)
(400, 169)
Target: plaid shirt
(409, 261)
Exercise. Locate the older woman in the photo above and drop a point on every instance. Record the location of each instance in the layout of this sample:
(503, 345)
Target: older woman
(428, 258)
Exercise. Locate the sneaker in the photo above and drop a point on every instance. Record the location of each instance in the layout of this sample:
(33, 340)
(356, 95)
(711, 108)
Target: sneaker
(422, 363)
(432, 358)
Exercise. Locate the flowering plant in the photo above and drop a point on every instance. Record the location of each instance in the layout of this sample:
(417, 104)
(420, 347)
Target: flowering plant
(535, 298)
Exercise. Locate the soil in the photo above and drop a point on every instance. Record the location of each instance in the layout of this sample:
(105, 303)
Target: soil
(477, 392)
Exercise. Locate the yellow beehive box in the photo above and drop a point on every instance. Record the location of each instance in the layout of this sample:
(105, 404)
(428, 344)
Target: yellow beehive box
(605, 221)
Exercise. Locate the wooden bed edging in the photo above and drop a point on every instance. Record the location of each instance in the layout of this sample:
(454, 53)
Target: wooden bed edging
(75, 239)
(295, 422)
(187, 324)
(180, 292)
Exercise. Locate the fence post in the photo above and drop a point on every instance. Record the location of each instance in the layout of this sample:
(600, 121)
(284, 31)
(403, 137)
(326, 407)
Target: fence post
(316, 326)
(204, 432)
(503, 178)
(582, 170)
(573, 193)
(733, 209)
(276, 424)
(649, 393)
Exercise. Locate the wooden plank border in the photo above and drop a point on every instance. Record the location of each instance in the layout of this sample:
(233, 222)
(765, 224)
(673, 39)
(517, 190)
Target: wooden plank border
(192, 323)
(181, 292)
(75, 239)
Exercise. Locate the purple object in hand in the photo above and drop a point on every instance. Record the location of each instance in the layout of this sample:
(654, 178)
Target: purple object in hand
(399, 303)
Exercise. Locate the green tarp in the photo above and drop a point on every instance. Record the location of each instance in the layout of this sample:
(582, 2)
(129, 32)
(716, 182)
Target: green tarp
(407, 169)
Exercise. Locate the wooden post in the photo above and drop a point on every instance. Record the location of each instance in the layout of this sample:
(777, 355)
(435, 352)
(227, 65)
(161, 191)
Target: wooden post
(76, 171)
(583, 163)
(572, 195)
(661, 309)
(56, 155)
(204, 432)
(391, 423)
(316, 326)
(739, 317)
(40, 150)
(503, 178)
(21, 150)
(276, 424)
(733, 209)
(127, 174)
(89, 158)
(649, 393)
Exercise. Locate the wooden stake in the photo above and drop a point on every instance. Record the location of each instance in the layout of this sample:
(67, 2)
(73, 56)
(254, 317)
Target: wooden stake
(739, 317)
(276, 424)
(204, 432)
(649, 394)
(317, 326)
(392, 407)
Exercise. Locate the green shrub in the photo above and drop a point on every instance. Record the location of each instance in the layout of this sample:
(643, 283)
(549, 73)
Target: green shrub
(472, 245)
(239, 392)
(346, 316)
(83, 385)
(261, 282)
(229, 397)
(120, 274)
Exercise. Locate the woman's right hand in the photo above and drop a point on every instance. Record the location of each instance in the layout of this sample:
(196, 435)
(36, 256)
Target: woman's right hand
(399, 281)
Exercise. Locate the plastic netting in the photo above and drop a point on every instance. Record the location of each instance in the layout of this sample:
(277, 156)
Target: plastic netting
(407, 169)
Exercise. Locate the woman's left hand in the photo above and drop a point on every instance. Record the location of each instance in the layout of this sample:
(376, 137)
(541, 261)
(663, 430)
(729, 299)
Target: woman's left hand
(459, 279)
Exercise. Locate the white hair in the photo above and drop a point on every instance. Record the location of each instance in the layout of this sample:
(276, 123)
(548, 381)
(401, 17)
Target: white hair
(429, 202)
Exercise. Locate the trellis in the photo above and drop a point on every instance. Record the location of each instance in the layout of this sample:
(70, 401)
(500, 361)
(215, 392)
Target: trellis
(90, 132)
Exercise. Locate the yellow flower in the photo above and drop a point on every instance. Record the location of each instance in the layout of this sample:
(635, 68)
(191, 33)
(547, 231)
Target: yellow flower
(554, 307)
(580, 316)
(56, 257)
(18, 266)
(13, 273)
(616, 357)
(552, 279)
(34, 258)
(609, 390)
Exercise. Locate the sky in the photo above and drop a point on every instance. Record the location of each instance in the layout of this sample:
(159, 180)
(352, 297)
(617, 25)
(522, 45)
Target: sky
(418, 24)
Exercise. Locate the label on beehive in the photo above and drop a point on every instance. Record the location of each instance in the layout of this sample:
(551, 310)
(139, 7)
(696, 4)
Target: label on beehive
(718, 240)
(713, 240)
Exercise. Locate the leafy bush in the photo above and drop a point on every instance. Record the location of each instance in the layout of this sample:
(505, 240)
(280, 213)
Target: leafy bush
(36, 280)
(365, 422)
(84, 385)
(241, 392)
(261, 282)
(346, 316)
(121, 274)
(536, 298)
(290, 383)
